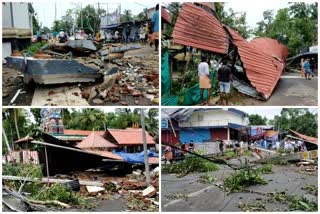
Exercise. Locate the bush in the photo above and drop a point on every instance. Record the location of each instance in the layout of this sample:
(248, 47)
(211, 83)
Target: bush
(61, 193)
(189, 165)
(243, 178)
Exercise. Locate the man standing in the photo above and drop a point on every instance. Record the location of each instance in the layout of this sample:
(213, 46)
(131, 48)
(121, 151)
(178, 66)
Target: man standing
(155, 24)
(225, 78)
(204, 78)
(307, 69)
(128, 31)
(312, 66)
(221, 145)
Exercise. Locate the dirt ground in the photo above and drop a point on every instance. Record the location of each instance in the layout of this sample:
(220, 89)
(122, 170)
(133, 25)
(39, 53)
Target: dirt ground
(195, 196)
(55, 95)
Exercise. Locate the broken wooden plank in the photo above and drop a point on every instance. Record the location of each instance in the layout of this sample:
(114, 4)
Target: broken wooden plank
(51, 180)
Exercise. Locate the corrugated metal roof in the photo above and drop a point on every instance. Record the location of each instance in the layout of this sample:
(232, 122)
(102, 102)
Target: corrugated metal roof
(198, 28)
(261, 68)
(271, 47)
(128, 136)
(306, 138)
(94, 140)
(165, 15)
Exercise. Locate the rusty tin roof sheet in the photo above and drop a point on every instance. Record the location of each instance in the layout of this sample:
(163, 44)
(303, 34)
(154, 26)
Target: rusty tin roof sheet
(262, 69)
(306, 138)
(198, 28)
(271, 47)
(165, 15)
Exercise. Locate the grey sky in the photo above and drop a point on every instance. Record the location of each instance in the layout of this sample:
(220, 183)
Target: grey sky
(46, 12)
(255, 9)
(268, 112)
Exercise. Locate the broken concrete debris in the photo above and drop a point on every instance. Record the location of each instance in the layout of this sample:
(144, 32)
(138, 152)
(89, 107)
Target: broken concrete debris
(112, 74)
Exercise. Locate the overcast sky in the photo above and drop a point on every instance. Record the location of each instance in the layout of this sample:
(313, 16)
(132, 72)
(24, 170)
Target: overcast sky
(255, 9)
(268, 112)
(45, 9)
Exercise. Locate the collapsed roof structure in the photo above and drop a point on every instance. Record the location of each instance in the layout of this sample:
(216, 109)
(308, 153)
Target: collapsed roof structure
(262, 59)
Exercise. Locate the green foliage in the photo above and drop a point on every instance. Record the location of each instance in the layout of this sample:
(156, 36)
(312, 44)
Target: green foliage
(14, 121)
(61, 193)
(296, 203)
(207, 179)
(295, 26)
(22, 170)
(311, 189)
(234, 20)
(188, 165)
(243, 178)
(265, 169)
(173, 8)
(301, 120)
(126, 16)
(90, 18)
(35, 25)
(33, 48)
(256, 119)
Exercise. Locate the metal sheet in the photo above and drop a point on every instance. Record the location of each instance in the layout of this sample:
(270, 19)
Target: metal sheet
(262, 69)
(198, 28)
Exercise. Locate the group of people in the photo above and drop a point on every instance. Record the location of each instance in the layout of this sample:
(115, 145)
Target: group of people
(308, 68)
(172, 153)
(223, 75)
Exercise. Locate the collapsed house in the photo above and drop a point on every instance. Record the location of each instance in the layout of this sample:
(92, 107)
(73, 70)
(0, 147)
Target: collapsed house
(256, 65)
(86, 61)
(81, 149)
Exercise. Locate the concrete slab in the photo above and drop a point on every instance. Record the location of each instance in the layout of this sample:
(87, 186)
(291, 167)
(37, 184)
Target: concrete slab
(58, 96)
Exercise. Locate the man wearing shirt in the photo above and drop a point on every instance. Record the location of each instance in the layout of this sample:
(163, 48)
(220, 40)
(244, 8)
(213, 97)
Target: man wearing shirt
(225, 78)
(204, 78)
(155, 23)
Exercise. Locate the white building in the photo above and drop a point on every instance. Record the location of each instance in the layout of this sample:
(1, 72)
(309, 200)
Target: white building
(16, 26)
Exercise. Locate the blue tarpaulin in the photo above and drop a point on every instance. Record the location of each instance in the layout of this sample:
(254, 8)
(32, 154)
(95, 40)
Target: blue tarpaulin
(135, 157)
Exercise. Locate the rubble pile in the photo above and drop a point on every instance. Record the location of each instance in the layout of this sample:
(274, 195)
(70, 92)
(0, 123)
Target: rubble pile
(105, 73)
(135, 76)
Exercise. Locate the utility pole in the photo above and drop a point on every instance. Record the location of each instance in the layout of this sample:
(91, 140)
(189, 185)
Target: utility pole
(55, 11)
(145, 149)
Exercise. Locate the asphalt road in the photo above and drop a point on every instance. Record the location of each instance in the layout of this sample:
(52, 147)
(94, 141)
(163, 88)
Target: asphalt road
(291, 90)
(210, 198)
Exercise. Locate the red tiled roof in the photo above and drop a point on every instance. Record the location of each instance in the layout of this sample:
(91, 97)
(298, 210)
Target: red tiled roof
(306, 138)
(262, 69)
(271, 47)
(198, 28)
(130, 136)
(95, 140)
(127, 136)
(80, 132)
(165, 15)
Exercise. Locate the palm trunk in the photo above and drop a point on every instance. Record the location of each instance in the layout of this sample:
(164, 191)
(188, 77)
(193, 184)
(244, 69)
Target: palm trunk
(16, 123)
(6, 139)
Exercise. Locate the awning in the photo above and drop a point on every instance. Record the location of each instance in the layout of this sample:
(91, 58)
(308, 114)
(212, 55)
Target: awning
(306, 138)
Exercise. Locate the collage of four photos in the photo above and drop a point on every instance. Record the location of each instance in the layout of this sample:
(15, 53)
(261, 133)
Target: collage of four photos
(159, 106)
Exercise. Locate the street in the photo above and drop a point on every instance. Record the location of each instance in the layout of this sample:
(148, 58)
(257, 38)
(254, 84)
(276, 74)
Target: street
(195, 196)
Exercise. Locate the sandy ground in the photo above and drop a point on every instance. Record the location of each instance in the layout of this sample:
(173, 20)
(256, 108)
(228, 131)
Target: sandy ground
(206, 197)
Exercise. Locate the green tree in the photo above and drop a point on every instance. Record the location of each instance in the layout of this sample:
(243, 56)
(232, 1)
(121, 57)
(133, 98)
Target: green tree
(126, 16)
(300, 120)
(35, 25)
(234, 20)
(256, 119)
(295, 26)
